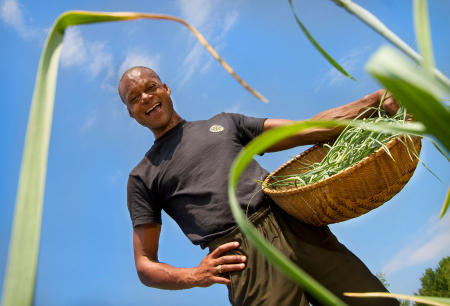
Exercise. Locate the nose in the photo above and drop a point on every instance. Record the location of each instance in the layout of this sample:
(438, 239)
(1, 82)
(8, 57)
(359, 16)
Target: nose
(145, 97)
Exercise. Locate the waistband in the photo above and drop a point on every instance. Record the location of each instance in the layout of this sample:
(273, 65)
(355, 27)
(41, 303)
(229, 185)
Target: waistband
(254, 218)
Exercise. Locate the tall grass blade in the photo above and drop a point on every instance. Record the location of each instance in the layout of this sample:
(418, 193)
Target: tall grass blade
(419, 92)
(429, 300)
(259, 145)
(423, 36)
(446, 203)
(331, 60)
(373, 22)
(24, 246)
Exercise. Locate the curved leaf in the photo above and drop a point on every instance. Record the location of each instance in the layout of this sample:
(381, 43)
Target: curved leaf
(331, 60)
(418, 91)
(429, 300)
(445, 207)
(259, 145)
(24, 246)
(373, 22)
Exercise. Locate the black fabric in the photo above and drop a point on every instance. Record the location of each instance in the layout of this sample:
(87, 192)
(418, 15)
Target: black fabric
(185, 173)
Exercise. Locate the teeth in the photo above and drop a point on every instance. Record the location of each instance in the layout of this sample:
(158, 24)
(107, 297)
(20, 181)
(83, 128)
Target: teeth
(152, 108)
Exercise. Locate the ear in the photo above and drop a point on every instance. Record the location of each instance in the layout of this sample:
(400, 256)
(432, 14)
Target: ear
(167, 88)
(130, 113)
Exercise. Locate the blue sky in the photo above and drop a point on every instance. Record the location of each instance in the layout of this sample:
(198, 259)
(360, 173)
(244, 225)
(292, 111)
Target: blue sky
(86, 250)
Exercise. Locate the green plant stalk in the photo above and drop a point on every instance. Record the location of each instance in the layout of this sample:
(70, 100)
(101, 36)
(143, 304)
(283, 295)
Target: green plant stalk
(330, 59)
(373, 22)
(259, 145)
(24, 245)
(19, 283)
(423, 36)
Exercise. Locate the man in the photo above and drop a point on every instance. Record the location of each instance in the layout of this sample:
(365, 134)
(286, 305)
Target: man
(185, 174)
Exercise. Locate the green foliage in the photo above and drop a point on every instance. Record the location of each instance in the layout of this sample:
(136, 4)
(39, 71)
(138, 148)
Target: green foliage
(382, 277)
(436, 282)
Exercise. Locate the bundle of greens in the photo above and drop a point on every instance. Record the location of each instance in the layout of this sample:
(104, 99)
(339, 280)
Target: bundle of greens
(352, 145)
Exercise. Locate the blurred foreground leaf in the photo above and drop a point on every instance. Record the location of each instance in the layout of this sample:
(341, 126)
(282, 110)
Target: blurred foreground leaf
(259, 145)
(429, 300)
(419, 92)
(423, 36)
(373, 22)
(445, 207)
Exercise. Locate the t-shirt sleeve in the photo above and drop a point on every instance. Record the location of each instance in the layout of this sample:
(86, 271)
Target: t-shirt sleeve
(141, 207)
(248, 127)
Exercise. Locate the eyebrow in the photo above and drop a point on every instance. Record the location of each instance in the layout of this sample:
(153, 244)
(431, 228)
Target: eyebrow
(132, 93)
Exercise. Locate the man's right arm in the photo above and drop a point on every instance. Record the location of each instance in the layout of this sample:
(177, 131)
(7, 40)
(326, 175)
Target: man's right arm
(156, 274)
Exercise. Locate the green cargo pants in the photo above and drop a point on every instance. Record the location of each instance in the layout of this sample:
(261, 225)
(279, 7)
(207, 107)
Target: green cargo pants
(315, 249)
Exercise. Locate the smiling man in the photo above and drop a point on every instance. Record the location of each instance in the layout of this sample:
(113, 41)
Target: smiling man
(183, 174)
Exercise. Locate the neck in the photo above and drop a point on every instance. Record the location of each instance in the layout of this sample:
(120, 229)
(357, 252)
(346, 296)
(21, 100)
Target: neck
(172, 123)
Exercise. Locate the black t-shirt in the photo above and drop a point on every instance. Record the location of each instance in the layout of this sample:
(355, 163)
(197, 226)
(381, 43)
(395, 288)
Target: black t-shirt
(186, 174)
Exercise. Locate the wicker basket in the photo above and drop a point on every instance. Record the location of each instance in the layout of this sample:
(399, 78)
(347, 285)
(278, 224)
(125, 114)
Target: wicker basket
(353, 191)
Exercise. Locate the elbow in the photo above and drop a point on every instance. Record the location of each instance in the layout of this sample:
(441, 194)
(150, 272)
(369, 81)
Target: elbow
(145, 275)
(146, 279)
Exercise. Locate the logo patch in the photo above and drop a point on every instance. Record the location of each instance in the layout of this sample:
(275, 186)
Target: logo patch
(216, 128)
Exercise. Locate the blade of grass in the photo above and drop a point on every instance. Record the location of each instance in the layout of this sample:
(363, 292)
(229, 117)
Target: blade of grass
(373, 22)
(84, 17)
(259, 145)
(423, 36)
(429, 300)
(331, 60)
(446, 203)
(18, 287)
(417, 91)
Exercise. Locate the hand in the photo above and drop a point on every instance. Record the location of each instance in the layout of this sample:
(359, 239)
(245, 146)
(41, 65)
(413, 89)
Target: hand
(207, 273)
(389, 105)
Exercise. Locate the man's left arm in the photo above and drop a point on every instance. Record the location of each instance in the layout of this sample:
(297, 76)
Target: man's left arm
(318, 135)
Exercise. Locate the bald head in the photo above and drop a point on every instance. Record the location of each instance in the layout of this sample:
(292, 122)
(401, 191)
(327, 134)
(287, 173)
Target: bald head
(133, 75)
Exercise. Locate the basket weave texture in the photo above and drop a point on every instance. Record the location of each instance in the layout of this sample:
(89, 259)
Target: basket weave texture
(351, 192)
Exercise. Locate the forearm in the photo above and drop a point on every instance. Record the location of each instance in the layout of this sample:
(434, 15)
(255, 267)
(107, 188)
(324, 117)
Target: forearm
(351, 110)
(163, 276)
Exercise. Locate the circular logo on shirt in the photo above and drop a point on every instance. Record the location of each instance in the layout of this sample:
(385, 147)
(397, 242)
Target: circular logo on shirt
(216, 128)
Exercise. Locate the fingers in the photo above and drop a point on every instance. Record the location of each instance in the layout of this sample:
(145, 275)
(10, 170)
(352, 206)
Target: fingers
(221, 280)
(232, 267)
(390, 105)
(230, 259)
(224, 248)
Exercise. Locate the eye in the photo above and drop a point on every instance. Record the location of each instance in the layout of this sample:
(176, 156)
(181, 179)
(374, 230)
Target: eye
(133, 100)
(151, 88)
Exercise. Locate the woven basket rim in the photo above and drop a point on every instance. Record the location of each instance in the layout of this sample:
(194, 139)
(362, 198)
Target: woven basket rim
(331, 179)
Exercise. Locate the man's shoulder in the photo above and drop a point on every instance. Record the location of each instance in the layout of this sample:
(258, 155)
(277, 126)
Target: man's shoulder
(142, 167)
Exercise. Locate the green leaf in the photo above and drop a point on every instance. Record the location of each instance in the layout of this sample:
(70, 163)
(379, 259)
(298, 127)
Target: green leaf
(445, 207)
(423, 36)
(419, 92)
(24, 246)
(429, 300)
(373, 22)
(259, 145)
(317, 46)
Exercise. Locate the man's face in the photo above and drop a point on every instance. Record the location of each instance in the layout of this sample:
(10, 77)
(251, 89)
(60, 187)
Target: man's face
(147, 99)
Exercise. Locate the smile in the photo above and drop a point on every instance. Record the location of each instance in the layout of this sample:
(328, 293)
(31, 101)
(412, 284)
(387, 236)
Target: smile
(152, 108)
